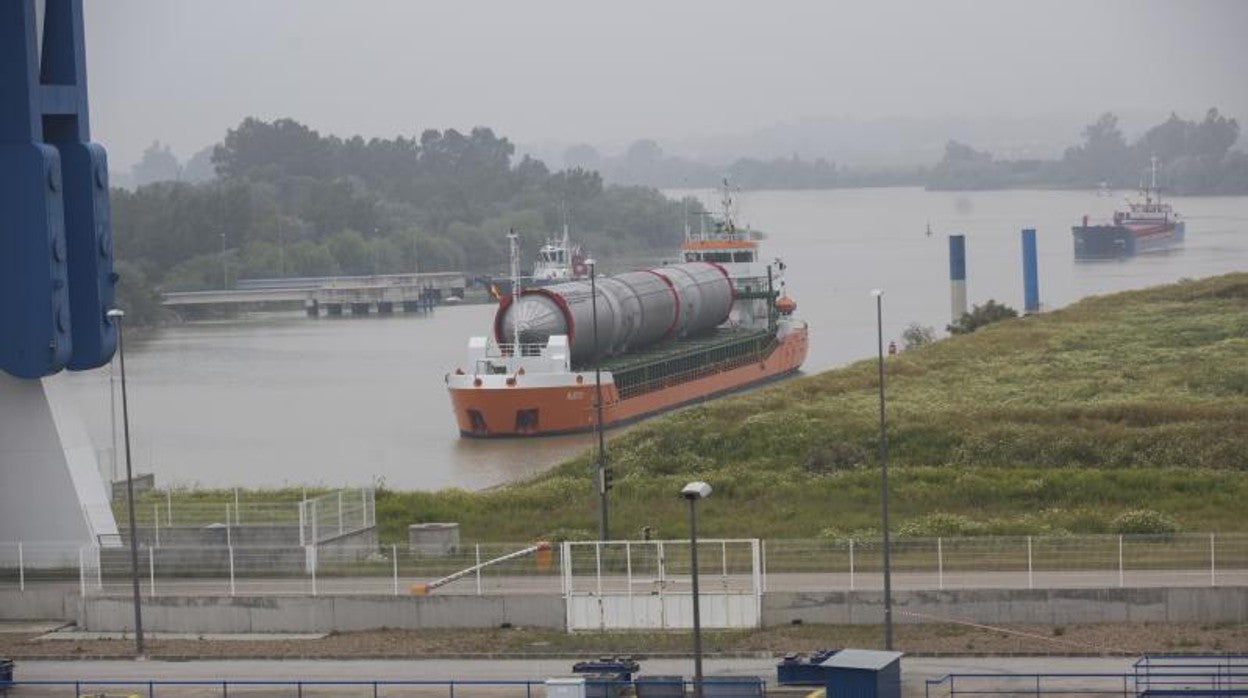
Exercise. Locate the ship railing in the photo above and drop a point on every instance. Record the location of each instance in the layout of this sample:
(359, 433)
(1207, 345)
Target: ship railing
(671, 372)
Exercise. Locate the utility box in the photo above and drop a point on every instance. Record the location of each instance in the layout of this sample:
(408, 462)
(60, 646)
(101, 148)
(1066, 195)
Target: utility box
(567, 687)
(433, 538)
(803, 670)
(660, 686)
(863, 674)
(732, 687)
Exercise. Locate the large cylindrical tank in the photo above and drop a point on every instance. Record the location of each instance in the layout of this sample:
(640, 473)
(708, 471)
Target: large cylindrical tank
(635, 309)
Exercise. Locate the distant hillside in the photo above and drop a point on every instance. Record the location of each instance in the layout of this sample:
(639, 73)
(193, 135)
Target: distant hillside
(1054, 423)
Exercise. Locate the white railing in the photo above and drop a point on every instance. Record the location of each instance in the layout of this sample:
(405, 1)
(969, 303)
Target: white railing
(1020, 562)
(336, 514)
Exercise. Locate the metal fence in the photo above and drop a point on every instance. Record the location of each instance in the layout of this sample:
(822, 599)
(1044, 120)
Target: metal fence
(171, 519)
(658, 687)
(1156, 675)
(1180, 560)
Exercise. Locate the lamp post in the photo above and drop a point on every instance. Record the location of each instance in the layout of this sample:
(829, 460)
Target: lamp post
(116, 316)
(693, 492)
(888, 580)
(602, 443)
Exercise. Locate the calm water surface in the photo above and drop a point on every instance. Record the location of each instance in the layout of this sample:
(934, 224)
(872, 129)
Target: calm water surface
(284, 400)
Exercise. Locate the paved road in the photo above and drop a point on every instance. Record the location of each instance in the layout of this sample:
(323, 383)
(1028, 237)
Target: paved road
(914, 673)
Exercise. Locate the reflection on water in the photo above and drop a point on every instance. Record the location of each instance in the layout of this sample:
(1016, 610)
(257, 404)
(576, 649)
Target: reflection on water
(282, 399)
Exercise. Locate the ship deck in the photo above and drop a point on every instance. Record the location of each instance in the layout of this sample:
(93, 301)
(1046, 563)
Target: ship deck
(682, 359)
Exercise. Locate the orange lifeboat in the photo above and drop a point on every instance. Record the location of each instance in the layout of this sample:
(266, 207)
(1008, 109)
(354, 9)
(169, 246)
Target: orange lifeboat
(785, 305)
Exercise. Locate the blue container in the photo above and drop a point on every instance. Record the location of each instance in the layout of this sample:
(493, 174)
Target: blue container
(864, 674)
(802, 670)
(732, 687)
(660, 686)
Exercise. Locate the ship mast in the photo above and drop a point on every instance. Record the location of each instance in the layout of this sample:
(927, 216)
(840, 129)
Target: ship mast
(514, 248)
(1153, 186)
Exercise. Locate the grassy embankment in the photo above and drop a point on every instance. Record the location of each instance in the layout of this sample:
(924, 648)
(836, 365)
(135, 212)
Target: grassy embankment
(1049, 424)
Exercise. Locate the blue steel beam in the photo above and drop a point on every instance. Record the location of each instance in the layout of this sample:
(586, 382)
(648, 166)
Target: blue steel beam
(56, 269)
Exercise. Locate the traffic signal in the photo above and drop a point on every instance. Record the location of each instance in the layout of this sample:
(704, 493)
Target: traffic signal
(608, 479)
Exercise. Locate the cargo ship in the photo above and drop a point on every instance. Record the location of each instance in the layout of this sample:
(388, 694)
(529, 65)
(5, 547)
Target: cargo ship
(634, 344)
(1150, 226)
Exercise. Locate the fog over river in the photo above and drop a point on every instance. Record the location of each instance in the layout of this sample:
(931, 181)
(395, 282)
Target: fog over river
(280, 399)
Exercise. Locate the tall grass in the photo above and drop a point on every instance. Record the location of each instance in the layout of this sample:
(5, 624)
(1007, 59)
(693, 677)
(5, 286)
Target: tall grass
(1045, 424)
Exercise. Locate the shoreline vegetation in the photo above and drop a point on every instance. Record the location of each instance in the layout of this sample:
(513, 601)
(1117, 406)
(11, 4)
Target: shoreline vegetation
(1123, 413)
(1195, 157)
(278, 199)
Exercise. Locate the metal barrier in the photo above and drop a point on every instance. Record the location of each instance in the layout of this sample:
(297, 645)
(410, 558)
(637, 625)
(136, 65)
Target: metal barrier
(1210, 674)
(231, 567)
(734, 686)
(1154, 675)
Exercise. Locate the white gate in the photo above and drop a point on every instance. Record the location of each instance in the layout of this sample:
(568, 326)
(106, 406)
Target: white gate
(618, 585)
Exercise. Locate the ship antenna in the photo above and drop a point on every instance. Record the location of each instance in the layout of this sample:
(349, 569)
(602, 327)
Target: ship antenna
(726, 202)
(514, 249)
(1153, 163)
(566, 245)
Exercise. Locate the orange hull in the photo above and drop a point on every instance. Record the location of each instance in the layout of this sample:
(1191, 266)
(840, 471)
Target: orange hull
(547, 404)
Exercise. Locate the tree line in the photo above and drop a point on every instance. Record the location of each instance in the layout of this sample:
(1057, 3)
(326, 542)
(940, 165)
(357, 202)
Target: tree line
(288, 201)
(1195, 157)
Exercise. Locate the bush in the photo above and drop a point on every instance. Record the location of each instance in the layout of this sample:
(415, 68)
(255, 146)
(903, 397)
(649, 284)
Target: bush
(981, 315)
(916, 335)
(940, 524)
(1144, 521)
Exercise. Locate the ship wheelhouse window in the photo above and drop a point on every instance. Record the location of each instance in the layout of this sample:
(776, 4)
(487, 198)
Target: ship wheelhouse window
(743, 257)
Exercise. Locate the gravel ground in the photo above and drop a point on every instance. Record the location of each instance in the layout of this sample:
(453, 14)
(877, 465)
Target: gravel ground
(1100, 639)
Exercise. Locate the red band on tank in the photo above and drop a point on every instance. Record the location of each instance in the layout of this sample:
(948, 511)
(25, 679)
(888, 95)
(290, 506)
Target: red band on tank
(731, 286)
(560, 303)
(676, 297)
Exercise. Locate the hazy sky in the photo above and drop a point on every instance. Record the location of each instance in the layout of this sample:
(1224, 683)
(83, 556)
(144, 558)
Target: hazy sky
(183, 71)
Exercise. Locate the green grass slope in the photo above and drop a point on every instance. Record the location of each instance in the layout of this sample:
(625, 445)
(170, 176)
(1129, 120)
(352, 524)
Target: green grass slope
(1060, 422)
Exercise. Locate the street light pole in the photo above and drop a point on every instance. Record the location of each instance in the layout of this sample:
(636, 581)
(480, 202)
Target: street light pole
(225, 274)
(602, 443)
(693, 492)
(117, 316)
(888, 581)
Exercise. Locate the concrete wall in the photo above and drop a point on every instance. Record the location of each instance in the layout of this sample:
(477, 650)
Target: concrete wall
(45, 602)
(344, 613)
(323, 613)
(1044, 606)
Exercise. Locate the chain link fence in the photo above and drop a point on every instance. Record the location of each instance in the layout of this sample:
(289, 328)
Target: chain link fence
(1177, 560)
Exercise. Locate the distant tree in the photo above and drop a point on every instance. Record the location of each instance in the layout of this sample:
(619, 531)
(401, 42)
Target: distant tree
(1103, 156)
(916, 335)
(1214, 136)
(158, 164)
(582, 156)
(199, 167)
(981, 315)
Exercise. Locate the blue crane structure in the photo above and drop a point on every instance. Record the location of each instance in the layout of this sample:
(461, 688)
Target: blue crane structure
(56, 276)
(56, 250)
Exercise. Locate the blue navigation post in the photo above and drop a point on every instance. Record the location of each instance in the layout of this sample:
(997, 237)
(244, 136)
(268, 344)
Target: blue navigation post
(957, 275)
(1031, 280)
(56, 269)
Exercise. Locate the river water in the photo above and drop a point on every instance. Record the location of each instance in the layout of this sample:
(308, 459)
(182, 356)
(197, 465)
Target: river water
(280, 399)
